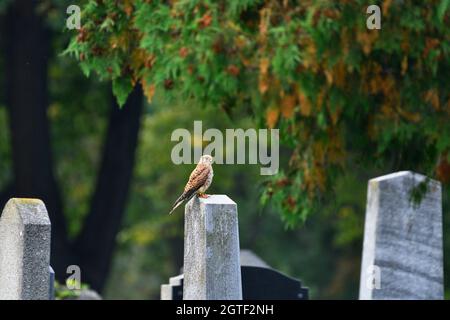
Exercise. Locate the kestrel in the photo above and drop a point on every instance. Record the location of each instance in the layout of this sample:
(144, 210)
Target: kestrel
(199, 181)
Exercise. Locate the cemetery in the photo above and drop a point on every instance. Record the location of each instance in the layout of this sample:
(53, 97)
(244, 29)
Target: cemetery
(402, 252)
(231, 150)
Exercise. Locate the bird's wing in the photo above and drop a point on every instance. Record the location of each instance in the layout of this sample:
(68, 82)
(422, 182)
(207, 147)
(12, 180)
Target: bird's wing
(197, 178)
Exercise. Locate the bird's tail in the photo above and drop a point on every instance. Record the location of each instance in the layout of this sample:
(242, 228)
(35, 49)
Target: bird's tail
(184, 196)
(177, 203)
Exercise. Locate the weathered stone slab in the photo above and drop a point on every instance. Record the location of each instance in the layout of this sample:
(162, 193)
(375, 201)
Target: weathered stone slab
(403, 250)
(51, 289)
(24, 251)
(249, 258)
(211, 250)
(173, 290)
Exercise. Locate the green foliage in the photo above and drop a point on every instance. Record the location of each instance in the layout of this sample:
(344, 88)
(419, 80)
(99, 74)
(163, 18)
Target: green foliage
(62, 292)
(335, 89)
(121, 88)
(443, 6)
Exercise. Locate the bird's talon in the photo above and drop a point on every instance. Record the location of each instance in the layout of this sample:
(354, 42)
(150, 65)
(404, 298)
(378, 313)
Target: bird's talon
(203, 195)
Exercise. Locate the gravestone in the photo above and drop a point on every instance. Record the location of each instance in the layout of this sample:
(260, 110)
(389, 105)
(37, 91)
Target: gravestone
(262, 283)
(211, 250)
(250, 259)
(24, 251)
(402, 250)
(259, 282)
(51, 289)
(173, 290)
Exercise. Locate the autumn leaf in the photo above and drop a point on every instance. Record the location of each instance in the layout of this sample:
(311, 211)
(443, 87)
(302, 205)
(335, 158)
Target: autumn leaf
(405, 43)
(263, 84)
(138, 59)
(264, 65)
(432, 97)
(272, 117)
(443, 169)
(411, 116)
(320, 98)
(290, 202)
(264, 22)
(305, 105)
(183, 52)
(386, 6)
(283, 182)
(205, 21)
(149, 90)
(240, 42)
(331, 13)
(339, 73)
(404, 65)
(168, 84)
(120, 42)
(336, 152)
(82, 35)
(329, 76)
(366, 39)
(128, 7)
(320, 177)
(150, 61)
(430, 43)
(310, 53)
(233, 70)
(335, 113)
(388, 111)
(287, 106)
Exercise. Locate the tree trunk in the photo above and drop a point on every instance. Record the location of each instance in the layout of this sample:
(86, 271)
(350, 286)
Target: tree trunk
(97, 240)
(27, 53)
(26, 60)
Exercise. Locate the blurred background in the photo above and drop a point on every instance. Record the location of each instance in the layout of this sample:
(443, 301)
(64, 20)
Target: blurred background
(107, 179)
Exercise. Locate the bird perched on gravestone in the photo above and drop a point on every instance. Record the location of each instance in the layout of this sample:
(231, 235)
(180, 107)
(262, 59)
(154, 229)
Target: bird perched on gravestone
(199, 181)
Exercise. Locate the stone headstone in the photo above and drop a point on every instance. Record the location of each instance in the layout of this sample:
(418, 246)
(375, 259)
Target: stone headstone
(249, 258)
(402, 251)
(259, 282)
(88, 294)
(211, 250)
(24, 251)
(51, 289)
(173, 290)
